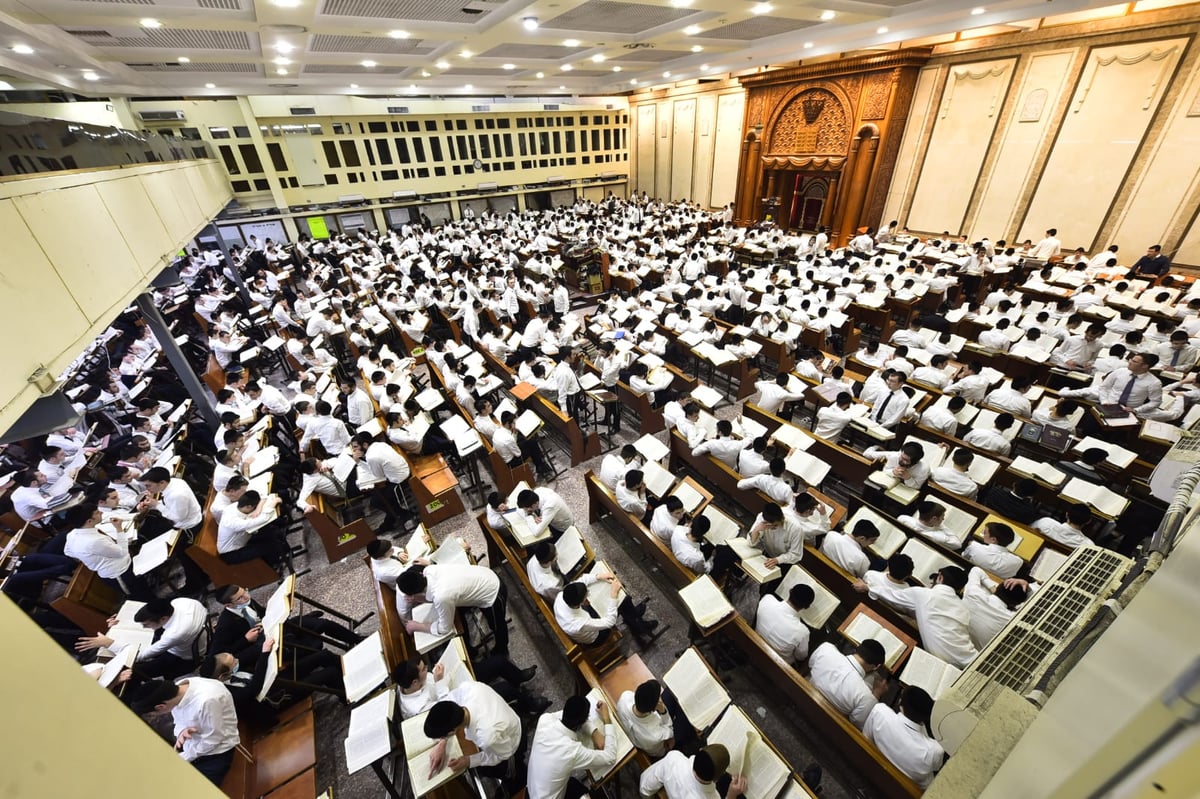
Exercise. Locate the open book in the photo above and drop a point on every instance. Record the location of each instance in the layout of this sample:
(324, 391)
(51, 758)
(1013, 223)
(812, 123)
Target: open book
(792, 436)
(363, 668)
(600, 592)
(863, 626)
(705, 602)
(982, 469)
(891, 537)
(1042, 472)
(700, 694)
(753, 561)
(528, 423)
(1046, 564)
(450, 551)
(426, 641)
(1103, 501)
(651, 448)
(522, 532)
(154, 552)
(958, 521)
(893, 487)
(707, 396)
(369, 737)
(624, 745)
(765, 771)
(417, 749)
(1116, 455)
(657, 479)
(824, 603)
(810, 469)
(721, 527)
(929, 672)
(689, 496)
(926, 559)
(570, 553)
(1162, 432)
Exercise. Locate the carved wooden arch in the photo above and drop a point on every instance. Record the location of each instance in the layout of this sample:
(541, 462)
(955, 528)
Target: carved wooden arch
(867, 130)
(793, 96)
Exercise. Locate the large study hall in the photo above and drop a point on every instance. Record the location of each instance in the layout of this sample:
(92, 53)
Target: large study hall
(543, 399)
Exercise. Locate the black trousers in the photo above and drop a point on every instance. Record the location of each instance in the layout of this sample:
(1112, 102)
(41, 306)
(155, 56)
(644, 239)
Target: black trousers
(214, 767)
(497, 618)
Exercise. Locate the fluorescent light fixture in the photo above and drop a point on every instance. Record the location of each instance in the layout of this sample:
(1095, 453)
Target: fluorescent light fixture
(761, 8)
(150, 22)
(704, 67)
(398, 34)
(465, 53)
(353, 85)
(468, 87)
(369, 64)
(828, 15)
(90, 76)
(633, 81)
(808, 45)
(530, 23)
(443, 64)
(425, 73)
(882, 29)
(616, 69)
(509, 66)
(570, 42)
(183, 59)
(541, 75)
(696, 48)
(284, 47)
(977, 11)
(281, 71)
(567, 67)
(282, 62)
(667, 74)
(22, 49)
(286, 3)
(691, 30)
(681, 3)
(210, 85)
(598, 58)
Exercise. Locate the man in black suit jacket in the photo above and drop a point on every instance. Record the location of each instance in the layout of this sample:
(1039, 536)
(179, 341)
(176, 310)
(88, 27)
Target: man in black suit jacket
(1017, 504)
(1086, 467)
(238, 626)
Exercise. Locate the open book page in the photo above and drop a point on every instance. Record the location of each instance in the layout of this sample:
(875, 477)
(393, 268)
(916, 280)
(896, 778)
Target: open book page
(658, 480)
(700, 694)
(721, 526)
(426, 641)
(982, 469)
(651, 448)
(363, 668)
(891, 537)
(417, 750)
(600, 592)
(451, 551)
(154, 552)
(864, 627)
(1046, 564)
(570, 551)
(707, 396)
(624, 745)
(418, 544)
(1116, 455)
(522, 532)
(929, 672)
(273, 662)
(1101, 499)
(454, 661)
(689, 496)
(1027, 467)
(792, 436)
(279, 606)
(120, 661)
(757, 569)
(528, 423)
(1160, 431)
(926, 559)
(825, 602)
(958, 521)
(765, 771)
(705, 602)
(810, 469)
(794, 789)
(369, 737)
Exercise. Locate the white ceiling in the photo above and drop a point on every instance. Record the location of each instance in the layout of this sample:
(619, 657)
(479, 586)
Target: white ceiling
(442, 46)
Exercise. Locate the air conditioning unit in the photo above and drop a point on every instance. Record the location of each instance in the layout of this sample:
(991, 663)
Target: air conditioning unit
(480, 109)
(161, 116)
(550, 107)
(556, 179)
(404, 194)
(1018, 657)
(482, 187)
(303, 111)
(350, 199)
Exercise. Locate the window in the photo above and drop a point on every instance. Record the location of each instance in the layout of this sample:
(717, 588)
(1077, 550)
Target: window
(570, 141)
(331, 180)
(350, 153)
(218, 133)
(507, 145)
(389, 174)
(197, 152)
(478, 124)
(190, 134)
(539, 122)
(331, 154)
(402, 151)
(293, 183)
(439, 171)
(231, 164)
(557, 142)
(485, 149)
(352, 177)
(422, 172)
(419, 149)
(503, 124)
(543, 143)
(340, 128)
(521, 142)
(435, 149)
(395, 127)
(462, 148)
(250, 158)
(261, 184)
(522, 122)
(595, 139)
(241, 131)
(385, 152)
(370, 152)
(447, 124)
(377, 127)
(240, 185)
(277, 159)
(461, 124)
(608, 139)
(430, 126)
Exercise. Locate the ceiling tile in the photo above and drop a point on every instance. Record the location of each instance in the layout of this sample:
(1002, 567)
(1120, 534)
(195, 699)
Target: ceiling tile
(172, 66)
(650, 54)
(399, 10)
(522, 50)
(605, 16)
(165, 38)
(757, 28)
(381, 45)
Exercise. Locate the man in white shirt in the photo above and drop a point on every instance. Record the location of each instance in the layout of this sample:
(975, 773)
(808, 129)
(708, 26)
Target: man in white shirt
(930, 523)
(1069, 533)
(970, 384)
(383, 471)
(171, 497)
(934, 374)
(772, 395)
(992, 553)
(108, 556)
(849, 550)
(842, 679)
(245, 531)
(1177, 354)
(1011, 398)
(388, 562)
(486, 720)
(681, 777)
(751, 461)
(1133, 388)
(772, 484)
(616, 464)
(650, 715)
(904, 737)
(331, 432)
(942, 417)
(833, 419)
(1048, 247)
(890, 407)
(942, 618)
(181, 621)
(890, 586)
(1080, 351)
(906, 464)
(993, 438)
(206, 724)
(544, 509)
(992, 605)
(724, 447)
(953, 476)
(559, 750)
(590, 626)
(449, 588)
(780, 625)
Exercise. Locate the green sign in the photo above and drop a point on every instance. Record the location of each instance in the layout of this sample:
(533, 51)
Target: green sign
(316, 226)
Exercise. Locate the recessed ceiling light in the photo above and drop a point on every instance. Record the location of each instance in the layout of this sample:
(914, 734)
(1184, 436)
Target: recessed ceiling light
(827, 15)
(284, 47)
(570, 42)
(562, 88)
(977, 11)
(183, 59)
(412, 87)
(425, 73)
(282, 62)
(465, 53)
(90, 76)
(22, 49)
(530, 23)
(616, 69)
(633, 81)
(696, 48)
(286, 3)
(691, 30)
(808, 45)
(353, 85)
(369, 64)
(667, 74)
(509, 66)
(681, 3)
(882, 29)
(281, 71)
(598, 58)
(541, 75)
(567, 67)
(150, 22)
(468, 87)
(761, 8)
(210, 85)
(398, 34)
(443, 64)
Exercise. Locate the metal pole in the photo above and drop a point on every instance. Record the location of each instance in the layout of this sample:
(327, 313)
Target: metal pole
(233, 270)
(201, 397)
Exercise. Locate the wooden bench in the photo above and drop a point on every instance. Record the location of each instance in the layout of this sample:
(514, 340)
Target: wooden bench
(88, 602)
(397, 643)
(435, 489)
(264, 764)
(338, 539)
(715, 472)
(250, 574)
(582, 446)
(848, 465)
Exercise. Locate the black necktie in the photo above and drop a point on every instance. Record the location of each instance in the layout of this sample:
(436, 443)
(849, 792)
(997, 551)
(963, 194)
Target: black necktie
(886, 400)
(591, 611)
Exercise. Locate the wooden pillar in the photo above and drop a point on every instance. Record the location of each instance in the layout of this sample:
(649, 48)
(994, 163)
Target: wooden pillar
(748, 192)
(862, 162)
(830, 200)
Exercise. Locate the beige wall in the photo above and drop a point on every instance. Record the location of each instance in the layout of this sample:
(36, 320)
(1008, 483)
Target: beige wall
(78, 248)
(1090, 128)
(686, 142)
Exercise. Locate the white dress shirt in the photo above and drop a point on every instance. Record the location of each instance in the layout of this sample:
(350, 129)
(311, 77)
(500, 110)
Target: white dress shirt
(558, 752)
(180, 631)
(493, 727)
(1006, 399)
(28, 502)
(725, 450)
(387, 570)
(613, 469)
(905, 743)
(451, 587)
(955, 482)
(988, 438)
(942, 620)
(555, 515)
(918, 472)
(751, 463)
(939, 533)
(429, 694)
(782, 628)
(771, 397)
(108, 558)
(630, 501)
(545, 580)
(831, 421)
(889, 408)
(207, 707)
(688, 551)
(179, 505)
(1061, 532)
(578, 624)
(236, 528)
(988, 613)
(842, 681)
(972, 388)
(845, 552)
(384, 463)
(940, 419)
(994, 558)
(1145, 396)
(359, 408)
(675, 775)
(331, 432)
(774, 487)
(650, 732)
(880, 586)
(505, 444)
